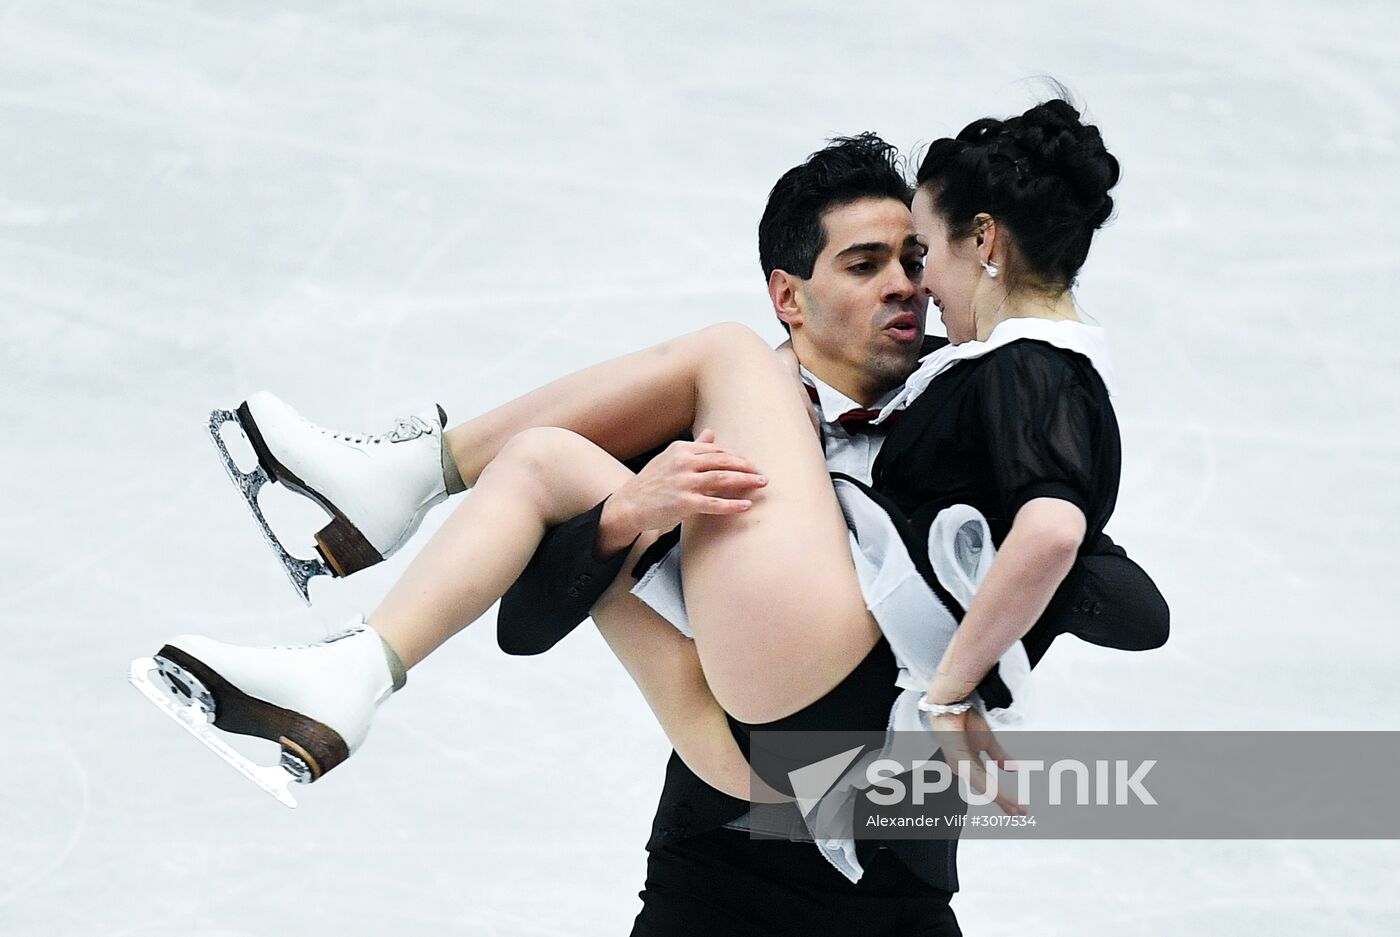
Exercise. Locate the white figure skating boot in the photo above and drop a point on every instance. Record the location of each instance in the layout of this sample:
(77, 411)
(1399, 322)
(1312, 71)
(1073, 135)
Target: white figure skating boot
(375, 487)
(315, 701)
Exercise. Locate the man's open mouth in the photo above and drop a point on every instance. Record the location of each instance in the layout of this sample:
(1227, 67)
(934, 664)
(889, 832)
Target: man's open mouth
(904, 327)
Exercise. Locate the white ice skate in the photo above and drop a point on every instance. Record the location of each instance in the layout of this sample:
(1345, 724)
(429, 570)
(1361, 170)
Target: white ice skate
(315, 701)
(375, 487)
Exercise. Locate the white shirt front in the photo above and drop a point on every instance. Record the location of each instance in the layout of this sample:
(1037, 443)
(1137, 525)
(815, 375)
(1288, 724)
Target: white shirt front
(850, 454)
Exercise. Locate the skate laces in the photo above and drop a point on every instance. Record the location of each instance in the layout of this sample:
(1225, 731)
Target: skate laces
(347, 632)
(405, 428)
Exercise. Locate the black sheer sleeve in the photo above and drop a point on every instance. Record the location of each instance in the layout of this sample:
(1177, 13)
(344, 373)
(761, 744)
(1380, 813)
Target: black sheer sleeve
(1042, 421)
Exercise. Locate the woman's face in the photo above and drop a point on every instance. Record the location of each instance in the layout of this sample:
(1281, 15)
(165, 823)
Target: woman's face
(952, 270)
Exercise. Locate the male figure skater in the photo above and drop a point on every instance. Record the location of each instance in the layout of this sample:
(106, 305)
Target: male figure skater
(843, 266)
(845, 283)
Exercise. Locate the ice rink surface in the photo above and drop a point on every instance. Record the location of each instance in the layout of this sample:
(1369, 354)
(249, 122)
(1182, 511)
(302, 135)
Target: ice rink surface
(364, 206)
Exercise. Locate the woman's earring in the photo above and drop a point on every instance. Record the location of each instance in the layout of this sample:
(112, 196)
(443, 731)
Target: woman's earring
(991, 268)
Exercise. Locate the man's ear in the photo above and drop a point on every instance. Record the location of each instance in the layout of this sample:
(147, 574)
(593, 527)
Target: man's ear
(784, 290)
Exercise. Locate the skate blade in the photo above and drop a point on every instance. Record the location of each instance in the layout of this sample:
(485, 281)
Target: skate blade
(298, 570)
(274, 779)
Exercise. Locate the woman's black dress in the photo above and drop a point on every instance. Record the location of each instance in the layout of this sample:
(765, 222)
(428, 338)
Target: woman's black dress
(1026, 420)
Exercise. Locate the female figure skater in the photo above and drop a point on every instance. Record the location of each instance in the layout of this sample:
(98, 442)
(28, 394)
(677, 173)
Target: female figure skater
(1013, 420)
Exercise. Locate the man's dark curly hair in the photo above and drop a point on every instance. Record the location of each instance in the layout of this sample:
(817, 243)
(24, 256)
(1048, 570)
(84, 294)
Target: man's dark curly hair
(790, 234)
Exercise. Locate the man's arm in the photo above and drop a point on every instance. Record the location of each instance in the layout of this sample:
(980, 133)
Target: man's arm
(577, 560)
(562, 581)
(1112, 602)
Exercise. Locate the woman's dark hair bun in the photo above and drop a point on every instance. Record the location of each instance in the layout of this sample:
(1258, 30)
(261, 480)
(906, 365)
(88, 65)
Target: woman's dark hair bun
(1044, 174)
(1058, 142)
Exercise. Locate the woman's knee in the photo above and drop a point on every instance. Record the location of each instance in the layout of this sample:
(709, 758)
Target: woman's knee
(539, 447)
(562, 472)
(538, 456)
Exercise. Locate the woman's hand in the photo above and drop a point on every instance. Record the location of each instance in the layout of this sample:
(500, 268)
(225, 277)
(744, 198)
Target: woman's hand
(967, 742)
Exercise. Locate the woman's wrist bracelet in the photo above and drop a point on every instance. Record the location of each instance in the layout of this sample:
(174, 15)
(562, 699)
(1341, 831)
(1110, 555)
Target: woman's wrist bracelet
(944, 709)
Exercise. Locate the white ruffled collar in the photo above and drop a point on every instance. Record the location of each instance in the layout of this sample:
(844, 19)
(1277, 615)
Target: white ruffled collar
(1087, 340)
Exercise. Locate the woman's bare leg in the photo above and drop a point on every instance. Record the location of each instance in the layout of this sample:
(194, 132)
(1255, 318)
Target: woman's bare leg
(599, 403)
(773, 596)
(543, 477)
(666, 668)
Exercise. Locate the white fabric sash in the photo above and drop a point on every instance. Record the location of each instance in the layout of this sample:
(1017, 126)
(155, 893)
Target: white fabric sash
(919, 628)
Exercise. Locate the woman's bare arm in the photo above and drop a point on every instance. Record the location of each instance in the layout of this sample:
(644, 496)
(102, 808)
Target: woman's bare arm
(1030, 565)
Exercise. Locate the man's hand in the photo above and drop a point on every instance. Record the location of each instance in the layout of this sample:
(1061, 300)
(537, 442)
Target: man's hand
(685, 480)
(967, 742)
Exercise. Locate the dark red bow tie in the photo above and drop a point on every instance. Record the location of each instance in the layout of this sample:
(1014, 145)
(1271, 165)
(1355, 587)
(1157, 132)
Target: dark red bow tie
(857, 420)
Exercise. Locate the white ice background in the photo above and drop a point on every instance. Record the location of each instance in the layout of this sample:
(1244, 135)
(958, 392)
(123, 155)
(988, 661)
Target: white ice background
(368, 205)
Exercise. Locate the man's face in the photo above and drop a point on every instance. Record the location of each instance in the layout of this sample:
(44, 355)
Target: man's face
(862, 312)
